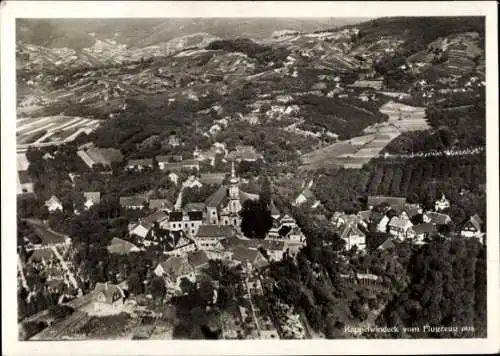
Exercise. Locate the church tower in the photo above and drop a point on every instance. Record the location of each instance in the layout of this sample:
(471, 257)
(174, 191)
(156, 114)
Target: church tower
(234, 192)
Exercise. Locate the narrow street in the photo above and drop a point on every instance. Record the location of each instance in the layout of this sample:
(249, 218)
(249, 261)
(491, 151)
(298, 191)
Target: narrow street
(65, 266)
(252, 306)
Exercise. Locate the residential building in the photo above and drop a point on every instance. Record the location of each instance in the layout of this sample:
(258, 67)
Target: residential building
(121, 247)
(442, 204)
(249, 258)
(209, 236)
(188, 164)
(176, 243)
(192, 182)
(420, 232)
(54, 204)
(25, 184)
(189, 222)
(472, 227)
(398, 227)
(136, 202)
(91, 199)
(437, 219)
(173, 270)
(198, 260)
(107, 299)
(223, 207)
(161, 204)
(139, 164)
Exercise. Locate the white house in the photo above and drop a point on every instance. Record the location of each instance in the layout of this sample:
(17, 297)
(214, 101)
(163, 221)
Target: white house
(54, 204)
(398, 227)
(442, 204)
(472, 228)
(192, 182)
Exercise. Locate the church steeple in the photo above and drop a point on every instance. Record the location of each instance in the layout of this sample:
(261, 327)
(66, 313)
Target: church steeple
(234, 179)
(233, 184)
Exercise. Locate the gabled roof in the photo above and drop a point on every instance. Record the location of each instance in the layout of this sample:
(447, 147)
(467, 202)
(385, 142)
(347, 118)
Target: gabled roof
(161, 204)
(215, 231)
(412, 210)
(365, 215)
(476, 221)
(388, 243)
(350, 229)
(111, 291)
(244, 254)
(438, 218)
(198, 259)
(216, 198)
(53, 200)
(176, 267)
(157, 216)
(120, 247)
(399, 222)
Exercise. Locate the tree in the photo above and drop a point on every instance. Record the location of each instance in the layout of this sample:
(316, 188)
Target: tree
(256, 219)
(265, 195)
(135, 284)
(158, 288)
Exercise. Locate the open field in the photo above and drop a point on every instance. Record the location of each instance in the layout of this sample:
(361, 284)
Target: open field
(52, 129)
(356, 152)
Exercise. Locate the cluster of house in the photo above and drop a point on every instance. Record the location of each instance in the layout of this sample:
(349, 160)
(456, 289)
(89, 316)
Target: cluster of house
(176, 163)
(401, 220)
(210, 229)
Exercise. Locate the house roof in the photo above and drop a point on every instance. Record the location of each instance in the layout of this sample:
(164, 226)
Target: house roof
(194, 207)
(424, 228)
(176, 267)
(176, 215)
(198, 259)
(274, 210)
(476, 221)
(438, 218)
(348, 229)
(365, 215)
(182, 164)
(399, 222)
(111, 291)
(397, 203)
(140, 162)
(411, 210)
(195, 215)
(212, 178)
(216, 198)
(157, 216)
(215, 231)
(94, 197)
(120, 247)
(53, 200)
(161, 204)
(135, 200)
(388, 243)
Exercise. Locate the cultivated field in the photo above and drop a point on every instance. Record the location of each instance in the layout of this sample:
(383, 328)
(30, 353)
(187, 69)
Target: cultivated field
(52, 129)
(356, 152)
